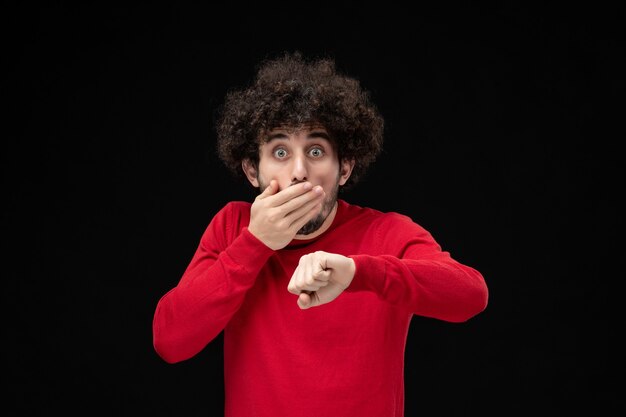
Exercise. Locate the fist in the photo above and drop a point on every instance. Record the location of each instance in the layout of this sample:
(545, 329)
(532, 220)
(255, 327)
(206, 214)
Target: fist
(320, 277)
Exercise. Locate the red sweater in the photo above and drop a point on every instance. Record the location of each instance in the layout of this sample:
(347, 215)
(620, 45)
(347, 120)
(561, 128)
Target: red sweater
(344, 358)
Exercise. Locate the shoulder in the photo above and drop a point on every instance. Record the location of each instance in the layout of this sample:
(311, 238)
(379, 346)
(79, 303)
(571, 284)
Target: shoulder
(237, 207)
(227, 223)
(381, 222)
(235, 212)
(390, 232)
(369, 214)
(233, 216)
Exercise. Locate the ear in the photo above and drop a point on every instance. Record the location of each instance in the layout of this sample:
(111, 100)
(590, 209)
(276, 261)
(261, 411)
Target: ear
(345, 170)
(250, 169)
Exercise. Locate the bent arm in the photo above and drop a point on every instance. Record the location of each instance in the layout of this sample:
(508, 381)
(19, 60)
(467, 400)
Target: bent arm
(209, 293)
(422, 278)
(439, 288)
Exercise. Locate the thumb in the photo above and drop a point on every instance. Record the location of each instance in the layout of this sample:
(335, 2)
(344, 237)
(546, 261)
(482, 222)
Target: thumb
(305, 301)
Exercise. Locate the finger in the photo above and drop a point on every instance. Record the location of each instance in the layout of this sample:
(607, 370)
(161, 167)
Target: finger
(293, 289)
(294, 286)
(311, 280)
(313, 195)
(320, 283)
(298, 283)
(301, 216)
(305, 279)
(269, 190)
(296, 289)
(316, 279)
(305, 300)
(290, 193)
(322, 275)
(310, 285)
(296, 207)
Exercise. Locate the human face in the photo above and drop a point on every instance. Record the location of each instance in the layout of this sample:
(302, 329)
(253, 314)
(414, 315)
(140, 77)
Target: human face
(291, 156)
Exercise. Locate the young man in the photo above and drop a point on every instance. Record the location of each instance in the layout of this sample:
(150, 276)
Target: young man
(314, 295)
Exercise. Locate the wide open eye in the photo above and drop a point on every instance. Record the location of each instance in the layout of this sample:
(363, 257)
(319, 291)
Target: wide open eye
(316, 152)
(280, 153)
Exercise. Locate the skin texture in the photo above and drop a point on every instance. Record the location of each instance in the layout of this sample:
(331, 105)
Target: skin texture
(299, 174)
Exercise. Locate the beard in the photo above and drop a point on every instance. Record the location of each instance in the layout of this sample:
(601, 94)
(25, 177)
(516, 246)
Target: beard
(327, 206)
(316, 222)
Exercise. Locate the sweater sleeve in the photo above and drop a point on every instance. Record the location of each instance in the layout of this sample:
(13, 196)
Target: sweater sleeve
(419, 276)
(210, 291)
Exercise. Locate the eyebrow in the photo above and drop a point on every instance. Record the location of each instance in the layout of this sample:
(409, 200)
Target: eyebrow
(312, 135)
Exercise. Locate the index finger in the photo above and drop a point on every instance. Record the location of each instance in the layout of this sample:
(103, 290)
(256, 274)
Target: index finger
(291, 192)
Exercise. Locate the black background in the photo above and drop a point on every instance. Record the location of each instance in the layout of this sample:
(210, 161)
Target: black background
(504, 122)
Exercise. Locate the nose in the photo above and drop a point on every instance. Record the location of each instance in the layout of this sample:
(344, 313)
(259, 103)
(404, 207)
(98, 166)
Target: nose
(299, 171)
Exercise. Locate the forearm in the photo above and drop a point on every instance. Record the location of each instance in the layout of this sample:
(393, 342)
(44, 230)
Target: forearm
(437, 287)
(210, 292)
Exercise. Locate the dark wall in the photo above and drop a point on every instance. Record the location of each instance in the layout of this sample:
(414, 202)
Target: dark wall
(502, 130)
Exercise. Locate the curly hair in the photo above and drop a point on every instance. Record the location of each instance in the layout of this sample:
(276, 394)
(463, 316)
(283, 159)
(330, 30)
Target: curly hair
(292, 91)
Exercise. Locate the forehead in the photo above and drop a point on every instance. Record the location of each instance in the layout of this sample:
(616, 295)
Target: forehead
(312, 130)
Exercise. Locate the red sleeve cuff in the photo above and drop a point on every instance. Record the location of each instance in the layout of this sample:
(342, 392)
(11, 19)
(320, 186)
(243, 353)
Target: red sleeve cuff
(369, 274)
